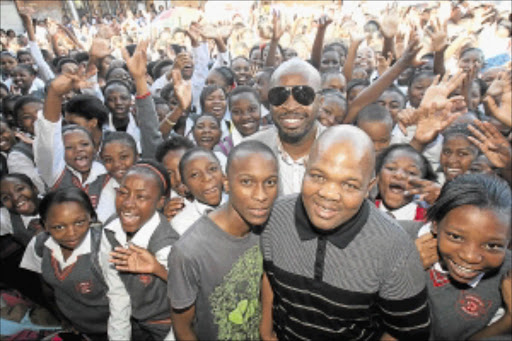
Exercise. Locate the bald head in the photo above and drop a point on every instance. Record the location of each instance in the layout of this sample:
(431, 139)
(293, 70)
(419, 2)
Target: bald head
(345, 137)
(297, 66)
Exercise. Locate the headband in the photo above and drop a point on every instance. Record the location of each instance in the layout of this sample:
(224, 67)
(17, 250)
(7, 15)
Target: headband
(155, 170)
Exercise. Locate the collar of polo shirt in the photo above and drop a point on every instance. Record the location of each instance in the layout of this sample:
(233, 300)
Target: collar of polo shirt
(341, 235)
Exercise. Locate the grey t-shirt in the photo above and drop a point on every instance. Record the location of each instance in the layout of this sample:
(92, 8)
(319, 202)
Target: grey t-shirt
(221, 274)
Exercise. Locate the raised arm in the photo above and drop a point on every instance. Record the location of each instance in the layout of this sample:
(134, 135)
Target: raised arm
(277, 33)
(438, 44)
(316, 52)
(356, 39)
(373, 92)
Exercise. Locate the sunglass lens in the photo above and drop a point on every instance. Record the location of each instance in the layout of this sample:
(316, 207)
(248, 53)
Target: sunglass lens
(304, 95)
(278, 95)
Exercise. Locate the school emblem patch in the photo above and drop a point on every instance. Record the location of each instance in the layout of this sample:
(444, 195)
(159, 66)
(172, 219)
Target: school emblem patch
(438, 278)
(471, 306)
(145, 279)
(84, 287)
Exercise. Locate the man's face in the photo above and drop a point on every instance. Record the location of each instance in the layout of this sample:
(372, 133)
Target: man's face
(337, 180)
(294, 120)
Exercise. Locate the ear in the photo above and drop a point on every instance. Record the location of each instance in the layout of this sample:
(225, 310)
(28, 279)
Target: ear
(433, 228)
(93, 122)
(161, 203)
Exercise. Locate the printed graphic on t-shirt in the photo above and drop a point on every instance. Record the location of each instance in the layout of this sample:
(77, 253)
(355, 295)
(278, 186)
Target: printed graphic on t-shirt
(235, 303)
(471, 306)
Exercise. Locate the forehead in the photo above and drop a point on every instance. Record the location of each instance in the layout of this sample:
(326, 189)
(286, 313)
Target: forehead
(403, 154)
(75, 134)
(207, 119)
(331, 55)
(215, 93)
(10, 181)
(243, 97)
(253, 163)
(115, 89)
(116, 145)
(138, 177)
(391, 96)
(456, 140)
(292, 78)
(200, 157)
(342, 159)
(240, 62)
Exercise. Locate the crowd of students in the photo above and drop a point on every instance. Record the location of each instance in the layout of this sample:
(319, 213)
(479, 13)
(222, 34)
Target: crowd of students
(212, 182)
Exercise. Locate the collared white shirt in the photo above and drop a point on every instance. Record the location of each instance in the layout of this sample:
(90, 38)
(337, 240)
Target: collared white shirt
(119, 324)
(6, 223)
(407, 212)
(31, 261)
(183, 220)
(437, 266)
(107, 203)
(236, 137)
(132, 129)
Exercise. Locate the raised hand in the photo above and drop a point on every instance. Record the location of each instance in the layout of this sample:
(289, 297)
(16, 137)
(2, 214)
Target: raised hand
(426, 190)
(432, 121)
(134, 259)
(437, 94)
(407, 117)
(491, 142)
(497, 87)
(277, 28)
(390, 23)
(137, 63)
(182, 89)
(68, 80)
(324, 21)
(438, 35)
(427, 248)
(399, 44)
(100, 48)
(173, 207)
(412, 49)
(501, 112)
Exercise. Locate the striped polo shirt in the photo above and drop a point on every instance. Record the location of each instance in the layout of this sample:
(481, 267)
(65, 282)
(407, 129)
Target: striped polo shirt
(353, 282)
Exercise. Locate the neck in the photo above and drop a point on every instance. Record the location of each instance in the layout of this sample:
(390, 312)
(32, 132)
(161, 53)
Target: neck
(97, 136)
(121, 125)
(230, 221)
(301, 148)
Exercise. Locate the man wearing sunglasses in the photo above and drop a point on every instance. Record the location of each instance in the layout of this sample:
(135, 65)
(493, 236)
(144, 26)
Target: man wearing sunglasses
(294, 104)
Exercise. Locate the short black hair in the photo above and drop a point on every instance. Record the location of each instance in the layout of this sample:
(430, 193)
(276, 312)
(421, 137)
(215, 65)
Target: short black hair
(75, 127)
(174, 143)
(62, 195)
(251, 146)
(333, 93)
(157, 68)
(121, 137)
(63, 61)
(116, 82)
(27, 67)
(189, 154)
(481, 190)
(418, 75)
(242, 90)
(227, 74)
(24, 100)
(471, 49)
(82, 56)
(207, 91)
(374, 113)
(356, 82)
(206, 114)
(427, 172)
(395, 89)
(88, 107)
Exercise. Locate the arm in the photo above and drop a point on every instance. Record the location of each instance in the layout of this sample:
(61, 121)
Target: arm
(18, 162)
(182, 323)
(267, 299)
(316, 52)
(372, 93)
(136, 259)
(148, 122)
(277, 33)
(348, 67)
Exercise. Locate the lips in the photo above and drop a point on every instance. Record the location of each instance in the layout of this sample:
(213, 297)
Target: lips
(259, 212)
(324, 211)
(453, 172)
(460, 271)
(129, 218)
(397, 188)
(22, 205)
(211, 191)
(291, 121)
(82, 161)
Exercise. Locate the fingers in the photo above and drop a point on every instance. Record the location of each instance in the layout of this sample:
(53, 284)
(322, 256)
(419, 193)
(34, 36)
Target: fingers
(454, 82)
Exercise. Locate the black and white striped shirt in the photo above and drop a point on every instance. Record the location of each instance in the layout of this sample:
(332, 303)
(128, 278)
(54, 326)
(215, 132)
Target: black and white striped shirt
(363, 278)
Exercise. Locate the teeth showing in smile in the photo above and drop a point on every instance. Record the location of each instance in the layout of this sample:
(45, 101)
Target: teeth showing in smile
(453, 170)
(21, 203)
(463, 271)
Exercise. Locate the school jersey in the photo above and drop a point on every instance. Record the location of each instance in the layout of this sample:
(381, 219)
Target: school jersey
(411, 211)
(78, 284)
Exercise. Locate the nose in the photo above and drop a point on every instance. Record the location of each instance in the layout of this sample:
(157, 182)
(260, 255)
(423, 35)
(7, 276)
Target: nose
(399, 173)
(260, 193)
(470, 254)
(71, 233)
(330, 191)
(129, 201)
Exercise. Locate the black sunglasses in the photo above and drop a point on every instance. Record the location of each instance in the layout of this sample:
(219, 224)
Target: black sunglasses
(303, 94)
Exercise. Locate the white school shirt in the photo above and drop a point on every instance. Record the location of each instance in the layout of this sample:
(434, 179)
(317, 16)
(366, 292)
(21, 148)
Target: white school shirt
(132, 129)
(186, 218)
(6, 224)
(107, 203)
(49, 153)
(407, 212)
(17, 162)
(31, 261)
(119, 325)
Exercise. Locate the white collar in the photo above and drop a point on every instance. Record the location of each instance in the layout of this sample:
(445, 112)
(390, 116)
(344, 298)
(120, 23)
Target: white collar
(437, 266)
(82, 249)
(141, 237)
(201, 208)
(236, 137)
(407, 212)
(97, 169)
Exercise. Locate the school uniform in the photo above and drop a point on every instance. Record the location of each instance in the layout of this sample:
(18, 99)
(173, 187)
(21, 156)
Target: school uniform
(411, 211)
(19, 226)
(21, 160)
(138, 301)
(132, 129)
(49, 156)
(107, 201)
(78, 284)
(190, 214)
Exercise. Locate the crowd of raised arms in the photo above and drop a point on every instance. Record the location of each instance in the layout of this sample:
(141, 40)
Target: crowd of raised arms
(279, 175)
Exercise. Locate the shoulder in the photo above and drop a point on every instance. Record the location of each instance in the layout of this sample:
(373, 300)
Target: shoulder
(411, 227)
(267, 136)
(197, 235)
